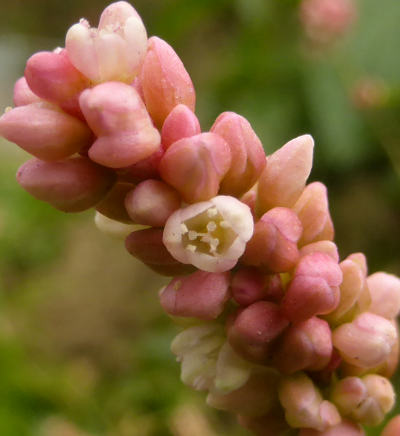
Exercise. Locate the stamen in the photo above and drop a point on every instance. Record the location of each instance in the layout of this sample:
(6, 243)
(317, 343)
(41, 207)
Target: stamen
(212, 212)
(211, 226)
(192, 235)
(191, 248)
(184, 228)
(225, 224)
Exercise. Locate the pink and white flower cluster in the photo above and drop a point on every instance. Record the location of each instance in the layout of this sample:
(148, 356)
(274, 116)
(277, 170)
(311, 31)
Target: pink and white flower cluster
(279, 330)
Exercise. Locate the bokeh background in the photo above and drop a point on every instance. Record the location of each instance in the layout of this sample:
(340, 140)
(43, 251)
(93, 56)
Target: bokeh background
(84, 345)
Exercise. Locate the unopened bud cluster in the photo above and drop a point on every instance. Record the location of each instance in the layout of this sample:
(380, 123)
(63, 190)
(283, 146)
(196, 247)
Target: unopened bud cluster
(279, 330)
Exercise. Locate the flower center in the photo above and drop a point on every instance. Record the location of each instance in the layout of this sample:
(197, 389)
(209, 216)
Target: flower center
(207, 233)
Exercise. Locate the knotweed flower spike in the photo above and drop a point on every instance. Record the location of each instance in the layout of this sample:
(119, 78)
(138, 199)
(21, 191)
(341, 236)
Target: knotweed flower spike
(281, 332)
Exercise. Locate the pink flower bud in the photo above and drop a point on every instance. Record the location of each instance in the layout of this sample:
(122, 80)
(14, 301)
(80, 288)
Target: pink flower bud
(52, 77)
(250, 198)
(256, 398)
(304, 405)
(112, 205)
(200, 295)
(180, 123)
(361, 260)
(392, 428)
(314, 289)
(195, 166)
(45, 131)
(118, 117)
(386, 369)
(284, 178)
(384, 290)
(327, 247)
(114, 51)
(152, 202)
(365, 400)
(210, 235)
(345, 428)
(350, 290)
(370, 93)
(147, 246)
(72, 185)
(248, 157)
(165, 81)
(250, 285)
(325, 20)
(255, 329)
(304, 346)
(273, 245)
(313, 211)
(142, 170)
(23, 95)
(365, 342)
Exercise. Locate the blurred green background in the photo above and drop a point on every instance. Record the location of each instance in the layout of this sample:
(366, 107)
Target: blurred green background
(84, 345)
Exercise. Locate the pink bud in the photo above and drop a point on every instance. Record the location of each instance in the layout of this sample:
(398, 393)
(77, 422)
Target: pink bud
(210, 235)
(370, 93)
(327, 247)
(350, 290)
(180, 123)
(72, 185)
(200, 295)
(195, 166)
(273, 245)
(250, 285)
(118, 117)
(255, 330)
(114, 51)
(304, 405)
(52, 77)
(384, 290)
(284, 178)
(312, 209)
(112, 205)
(345, 428)
(152, 202)
(165, 81)
(325, 20)
(248, 157)
(45, 131)
(256, 398)
(365, 400)
(314, 289)
(392, 428)
(365, 342)
(147, 246)
(304, 346)
(387, 368)
(142, 170)
(250, 198)
(23, 95)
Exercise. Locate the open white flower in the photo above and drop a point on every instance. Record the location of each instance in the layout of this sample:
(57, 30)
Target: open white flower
(211, 235)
